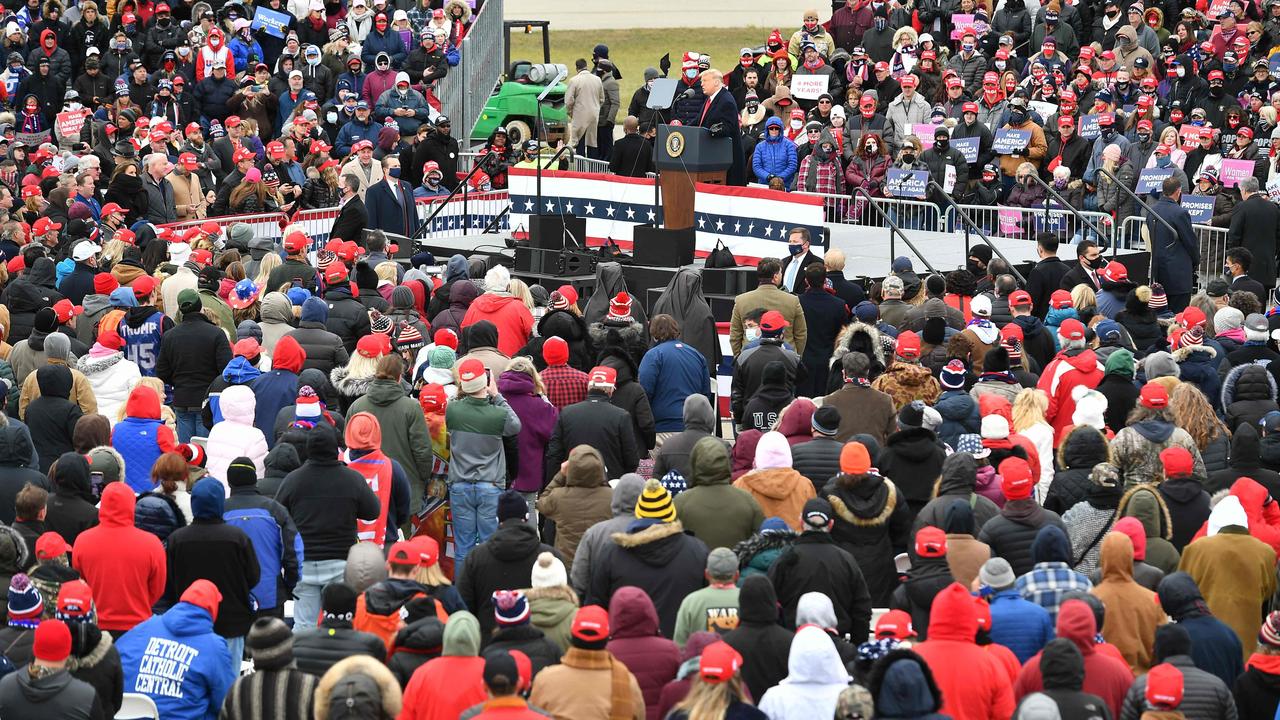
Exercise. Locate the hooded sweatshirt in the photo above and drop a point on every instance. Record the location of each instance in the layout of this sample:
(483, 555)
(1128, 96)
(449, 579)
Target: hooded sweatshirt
(453, 682)
(780, 490)
(1214, 647)
(719, 514)
(635, 640)
(622, 503)
(125, 566)
(815, 679)
(1103, 676)
(142, 437)
(1132, 611)
(974, 684)
(762, 642)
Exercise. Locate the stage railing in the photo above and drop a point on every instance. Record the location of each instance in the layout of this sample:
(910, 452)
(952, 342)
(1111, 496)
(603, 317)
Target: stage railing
(908, 214)
(1025, 223)
(1211, 240)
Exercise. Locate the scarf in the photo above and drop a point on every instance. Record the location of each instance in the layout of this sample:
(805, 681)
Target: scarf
(620, 681)
(984, 329)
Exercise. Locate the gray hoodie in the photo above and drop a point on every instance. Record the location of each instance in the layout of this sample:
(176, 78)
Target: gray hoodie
(626, 491)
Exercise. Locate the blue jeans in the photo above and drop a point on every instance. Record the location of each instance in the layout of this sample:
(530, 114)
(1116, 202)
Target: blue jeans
(190, 425)
(235, 646)
(475, 516)
(315, 575)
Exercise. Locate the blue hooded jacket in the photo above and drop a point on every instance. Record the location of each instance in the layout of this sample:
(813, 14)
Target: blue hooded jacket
(237, 372)
(178, 661)
(775, 156)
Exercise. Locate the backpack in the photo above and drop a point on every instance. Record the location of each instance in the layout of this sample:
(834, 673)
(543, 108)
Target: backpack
(355, 697)
(386, 626)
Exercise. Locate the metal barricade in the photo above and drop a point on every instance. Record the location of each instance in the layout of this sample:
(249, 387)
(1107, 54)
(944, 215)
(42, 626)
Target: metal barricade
(467, 212)
(1026, 223)
(264, 225)
(465, 90)
(909, 214)
(1213, 244)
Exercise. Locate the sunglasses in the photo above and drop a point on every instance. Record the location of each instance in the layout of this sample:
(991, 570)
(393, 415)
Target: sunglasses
(824, 102)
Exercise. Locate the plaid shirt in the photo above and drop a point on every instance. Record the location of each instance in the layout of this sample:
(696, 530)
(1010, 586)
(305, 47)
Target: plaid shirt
(565, 385)
(1048, 582)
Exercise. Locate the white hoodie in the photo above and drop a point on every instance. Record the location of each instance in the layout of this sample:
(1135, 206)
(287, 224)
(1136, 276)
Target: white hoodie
(815, 679)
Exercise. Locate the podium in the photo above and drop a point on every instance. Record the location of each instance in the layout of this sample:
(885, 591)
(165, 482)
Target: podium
(688, 155)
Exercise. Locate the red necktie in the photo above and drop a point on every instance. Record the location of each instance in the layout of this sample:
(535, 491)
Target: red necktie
(705, 107)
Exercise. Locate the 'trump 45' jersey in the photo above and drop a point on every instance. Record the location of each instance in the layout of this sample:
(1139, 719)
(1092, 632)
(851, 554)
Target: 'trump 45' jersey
(142, 342)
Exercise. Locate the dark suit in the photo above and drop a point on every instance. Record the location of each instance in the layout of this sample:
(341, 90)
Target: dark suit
(1262, 218)
(805, 260)
(632, 156)
(1248, 284)
(1044, 278)
(390, 213)
(1176, 254)
(351, 221)
(1077, 276)
(724, 112)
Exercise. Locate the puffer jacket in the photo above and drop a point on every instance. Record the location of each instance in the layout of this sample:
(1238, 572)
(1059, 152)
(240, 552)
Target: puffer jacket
(577, 498)
(1011, 533)
(1135, 450)
(573, 330)
(775, 156)
(526, 638)
(235, 436)
(959, 413)
(1246, 461)
(1198, 365)
(111, 377)
(958, 481)
(774, 484)
(319, 648)
(716, 512)
(635, 641)
(1214, 645)
(415, 644)
(1248, 393)
(1147, 506)
(1203, 694)
(158, 514)
(872, 523)
(1019, 624)
(1082, 449)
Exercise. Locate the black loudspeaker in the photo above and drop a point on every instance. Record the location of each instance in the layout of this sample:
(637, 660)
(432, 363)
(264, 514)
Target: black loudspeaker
(555, 232)
(661, 247)
(718, 281)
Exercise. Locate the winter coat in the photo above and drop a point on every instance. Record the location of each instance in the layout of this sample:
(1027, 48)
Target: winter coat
(973, 682)
(503, 562)
(623, 503)
(236, 435)
(759, 638)
(905, 382)
(577, 498)
(1010, 534)
(125, 564)
(588, 684)
(1214, 646)
(111, 377)
(863, 410)
(26, 294)
(816, 563)
(71, 508)
(675, 454)
(1233, 573)
(537, 420)
(818, 459)
(598, 423)
(415, 644)
(1101, 674)
(913, 458)
(778, 489)
(775, 156)
(319, 648)
(348, 318)
(1132, 611)
(959, 413)
(191, 356)
(1083, 448)
(508, 314)
(1246, 461)
(815, 679)
(873, 524)
(1256, 691)
(926, 578)
(1067, 371)
(324, 350)
(551, 610)
(57, 694)
(718, 514)
(204, 666)
(904, 687)
(634, 640)
(52, 417)
(142, 437)
(957, 482)
(404, 428)
(573, 330)
(1203, 694)
(1248, 393)
(95, 660)
(325, 498)
(659, 558)
(526, 638)
(670, 372)
(1135, 450)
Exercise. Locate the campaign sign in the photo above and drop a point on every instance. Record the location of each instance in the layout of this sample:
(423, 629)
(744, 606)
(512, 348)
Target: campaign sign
(1087, 127)
(274, 22)
(1009, 141)
(960, 22)
(906, 183)
(1233, 170)
(1190, 137)
(1150, 179)
(70, 122)
(1010, 222)
(809, 87)
(1052, 220)
(1199, 207)
(968, 147)
(924, 131)
(1044, 109)
(31, 139)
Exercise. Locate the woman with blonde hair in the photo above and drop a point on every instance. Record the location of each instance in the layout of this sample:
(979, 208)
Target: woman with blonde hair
(1192, 412)
(519, 289)
(353, 379)
(388, 273)
(269, 262)
(166, 412)
(717, 692)
(1029, 408)
(1085, 301)
(112, 253)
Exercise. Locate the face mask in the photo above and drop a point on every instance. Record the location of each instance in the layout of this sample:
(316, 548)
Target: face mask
(1059, 184)
(331, 117)
(1215, 90)
(1229, 67)
(810, 25)
(1108, 133)
(1097, 262)
(1144, 136)
(1113, 14)
(752, 334)
(795, 249)
(394, 172)
(1017, 117)
(881, 23)
(942, 145)
(313, 60)
(1163, 161)
(691, 73)
(1001, 65)
(796, 124)
(871, 148)
(1226, 270)
(967, 47)
(975, 268)
(908, 158)
(1175, 117)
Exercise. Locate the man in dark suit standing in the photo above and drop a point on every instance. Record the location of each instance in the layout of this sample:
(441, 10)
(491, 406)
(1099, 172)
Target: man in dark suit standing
(1176, 254)
(352, 218)
(1262, 218)
(389, 201)
(1089, 261)
(632, 155)
(1239, 263)
(720, 116)
(800, 258)
(1047, 274)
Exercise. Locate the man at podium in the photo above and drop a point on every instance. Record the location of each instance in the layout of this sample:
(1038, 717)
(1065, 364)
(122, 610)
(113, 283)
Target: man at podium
(720, 116)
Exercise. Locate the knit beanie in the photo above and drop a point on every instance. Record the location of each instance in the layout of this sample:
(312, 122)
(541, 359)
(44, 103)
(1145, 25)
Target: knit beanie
(402, 298)
(25, 603)
(307, 406)
(1120, 362)
(953, 375)
(380, 324)
(242, 473)
(619, 307)
(338, 602)
(548, 571)
(52, 642)
(655, 503)
(193, 454)
(1269, 634)
(1161, 364)
(555, 351)
(510, 607)
(935, 331)
(854, 459)
(442, 357)
(1227, 319)
(512, 506)
(446, 337)
(270, 644)
(1159, 299)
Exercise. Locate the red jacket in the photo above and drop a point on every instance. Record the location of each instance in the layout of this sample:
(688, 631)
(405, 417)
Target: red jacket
(1063, 374)
(974, 683)
(508, 314)
(510, 707)
(444, 687)
(1264, 517)
(125, 566)
(1104, 675)
(652, 658)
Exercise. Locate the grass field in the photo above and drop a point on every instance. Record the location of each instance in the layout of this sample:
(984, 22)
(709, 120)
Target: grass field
(634, 50)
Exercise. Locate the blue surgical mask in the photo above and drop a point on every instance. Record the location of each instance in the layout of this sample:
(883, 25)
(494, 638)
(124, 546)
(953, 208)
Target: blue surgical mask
(967, 47)
(691, 73)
